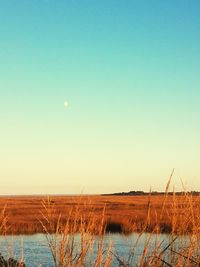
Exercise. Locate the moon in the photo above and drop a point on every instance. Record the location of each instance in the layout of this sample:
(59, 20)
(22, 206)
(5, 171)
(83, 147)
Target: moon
(66, 104)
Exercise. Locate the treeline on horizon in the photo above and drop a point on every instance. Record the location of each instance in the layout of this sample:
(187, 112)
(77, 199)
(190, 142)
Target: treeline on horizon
(154, 193)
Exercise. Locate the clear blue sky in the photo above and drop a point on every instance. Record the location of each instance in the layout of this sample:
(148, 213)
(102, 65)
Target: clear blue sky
(130, 71)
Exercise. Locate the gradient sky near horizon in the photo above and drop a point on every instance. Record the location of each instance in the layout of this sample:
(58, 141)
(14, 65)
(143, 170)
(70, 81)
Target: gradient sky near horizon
(130, 72)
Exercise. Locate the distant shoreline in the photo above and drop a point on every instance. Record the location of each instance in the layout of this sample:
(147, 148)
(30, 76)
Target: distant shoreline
(130, 193)
(154, 193)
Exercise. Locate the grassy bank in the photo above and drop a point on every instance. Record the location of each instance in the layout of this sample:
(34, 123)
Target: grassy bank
(126, 214)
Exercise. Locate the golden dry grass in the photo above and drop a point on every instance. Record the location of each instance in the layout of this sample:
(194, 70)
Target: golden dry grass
(122, 213)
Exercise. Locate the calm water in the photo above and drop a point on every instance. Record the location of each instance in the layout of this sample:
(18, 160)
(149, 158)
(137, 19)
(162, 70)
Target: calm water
(36, 252)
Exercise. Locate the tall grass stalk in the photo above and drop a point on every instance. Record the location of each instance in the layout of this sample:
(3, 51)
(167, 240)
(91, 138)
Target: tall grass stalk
(71, 240)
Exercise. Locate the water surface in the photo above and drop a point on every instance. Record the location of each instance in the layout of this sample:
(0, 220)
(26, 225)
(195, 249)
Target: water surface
(35, 251)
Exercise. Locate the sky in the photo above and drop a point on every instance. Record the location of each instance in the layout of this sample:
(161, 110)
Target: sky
(99, 96)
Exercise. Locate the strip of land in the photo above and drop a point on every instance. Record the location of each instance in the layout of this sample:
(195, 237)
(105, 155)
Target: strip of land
(119, 213)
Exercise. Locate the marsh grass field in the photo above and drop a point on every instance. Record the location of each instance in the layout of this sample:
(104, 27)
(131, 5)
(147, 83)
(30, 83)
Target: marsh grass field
(123, 214)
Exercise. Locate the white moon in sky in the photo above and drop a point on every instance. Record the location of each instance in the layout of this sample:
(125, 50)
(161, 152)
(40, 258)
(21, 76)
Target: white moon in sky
(66, 104)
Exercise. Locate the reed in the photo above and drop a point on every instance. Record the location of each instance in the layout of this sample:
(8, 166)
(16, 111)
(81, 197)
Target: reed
(70, 249)
(3, 221)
